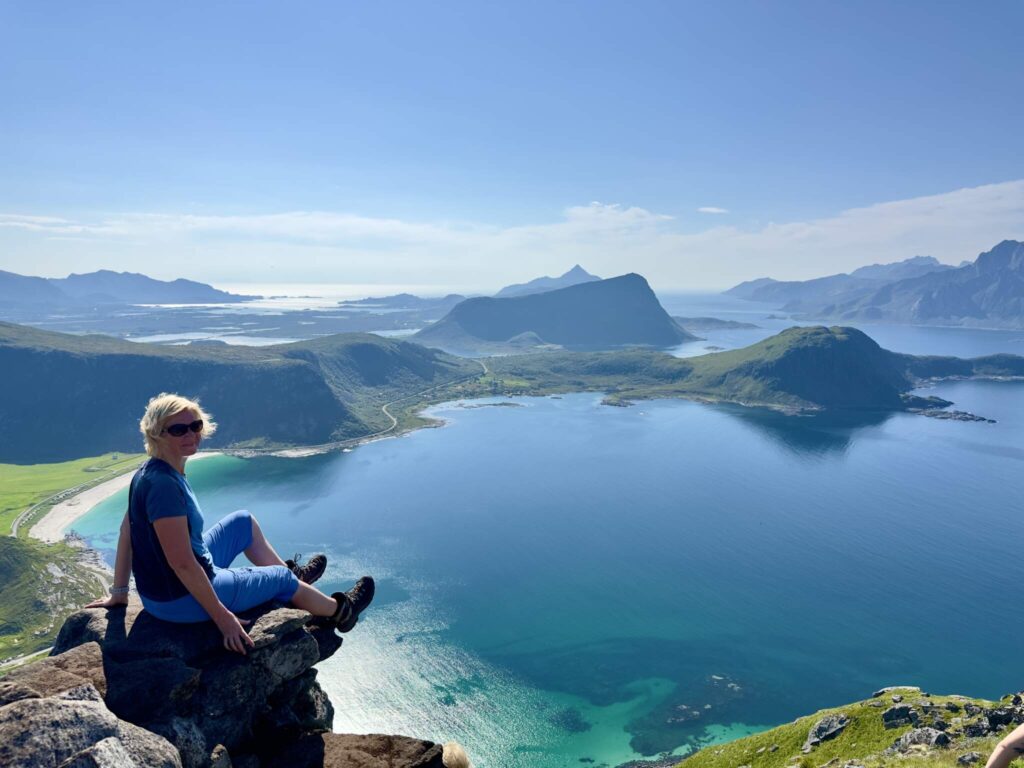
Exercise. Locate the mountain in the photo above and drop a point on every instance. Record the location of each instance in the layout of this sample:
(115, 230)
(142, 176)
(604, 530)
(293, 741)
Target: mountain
(109, 287)
(801, 369)
(987, 292)
(68, 396)
(20, 289)
(620, 311)
(901, 270)
(799, 295)
(574, 276)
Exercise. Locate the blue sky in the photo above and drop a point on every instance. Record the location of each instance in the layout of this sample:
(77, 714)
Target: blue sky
(474, 144)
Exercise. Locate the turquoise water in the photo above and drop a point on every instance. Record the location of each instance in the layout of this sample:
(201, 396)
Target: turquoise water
(564, 580)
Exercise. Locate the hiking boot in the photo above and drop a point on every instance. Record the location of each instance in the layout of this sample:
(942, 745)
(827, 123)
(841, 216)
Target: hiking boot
(309, 572)
(350, 605)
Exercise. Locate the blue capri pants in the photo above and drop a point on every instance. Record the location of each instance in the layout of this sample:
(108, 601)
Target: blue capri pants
(238, 588)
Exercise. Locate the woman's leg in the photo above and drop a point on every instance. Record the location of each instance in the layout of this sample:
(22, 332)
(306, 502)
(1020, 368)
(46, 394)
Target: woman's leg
(1008, 749)
(259, 551)
(313, 600)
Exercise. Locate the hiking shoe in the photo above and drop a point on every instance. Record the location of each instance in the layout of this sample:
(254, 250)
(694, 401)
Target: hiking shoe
(351, 604)
(311, 571)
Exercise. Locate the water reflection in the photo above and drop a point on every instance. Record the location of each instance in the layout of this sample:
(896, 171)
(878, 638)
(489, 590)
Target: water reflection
(818, 435)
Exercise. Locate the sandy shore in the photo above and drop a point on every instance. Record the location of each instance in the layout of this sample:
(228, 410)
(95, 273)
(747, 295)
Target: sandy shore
(53, 524)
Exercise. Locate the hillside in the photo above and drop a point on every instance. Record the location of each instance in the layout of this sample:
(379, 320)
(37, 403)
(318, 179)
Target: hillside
(574, 276)
(621, 311)
(799, 369)
(895, 724)
(92, 389)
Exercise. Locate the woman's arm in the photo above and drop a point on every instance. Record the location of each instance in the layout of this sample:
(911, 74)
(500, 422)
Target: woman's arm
(172, 532)
(122, 569)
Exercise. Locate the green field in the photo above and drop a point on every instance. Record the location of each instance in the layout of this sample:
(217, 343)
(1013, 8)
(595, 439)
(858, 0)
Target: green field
(40, 584)
(23, 486)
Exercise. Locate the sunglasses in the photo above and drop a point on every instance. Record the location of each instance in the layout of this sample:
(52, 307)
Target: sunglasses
(179, 430)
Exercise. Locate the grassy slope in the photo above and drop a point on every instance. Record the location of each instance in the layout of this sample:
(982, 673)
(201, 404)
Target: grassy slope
(863, 741)
(40, 584)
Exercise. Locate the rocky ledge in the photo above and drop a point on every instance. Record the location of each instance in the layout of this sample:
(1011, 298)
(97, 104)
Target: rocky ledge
(123, 689)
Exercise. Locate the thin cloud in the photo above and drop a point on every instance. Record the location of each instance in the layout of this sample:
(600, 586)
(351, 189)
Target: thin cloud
(606, 238)
(711, 209)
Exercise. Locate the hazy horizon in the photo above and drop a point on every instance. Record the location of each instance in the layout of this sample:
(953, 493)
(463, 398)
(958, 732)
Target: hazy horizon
(480, 145)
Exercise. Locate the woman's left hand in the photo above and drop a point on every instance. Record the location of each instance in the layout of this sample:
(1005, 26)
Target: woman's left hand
(110, 602)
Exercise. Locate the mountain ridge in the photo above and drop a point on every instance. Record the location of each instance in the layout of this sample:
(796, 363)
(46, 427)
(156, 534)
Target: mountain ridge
(618, 311)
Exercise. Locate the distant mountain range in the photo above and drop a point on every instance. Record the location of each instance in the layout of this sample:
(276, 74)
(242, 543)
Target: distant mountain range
(293, 394)
(599, 314)
(574, 276)
(107, 287)
(987, 292)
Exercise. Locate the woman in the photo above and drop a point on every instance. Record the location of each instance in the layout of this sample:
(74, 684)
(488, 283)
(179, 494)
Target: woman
(181, 574)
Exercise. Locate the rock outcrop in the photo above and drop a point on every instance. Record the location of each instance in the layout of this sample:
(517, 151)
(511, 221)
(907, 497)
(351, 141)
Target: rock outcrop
(124, 689)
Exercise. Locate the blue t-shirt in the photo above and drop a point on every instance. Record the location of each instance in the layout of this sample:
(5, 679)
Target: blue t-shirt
(159, 490)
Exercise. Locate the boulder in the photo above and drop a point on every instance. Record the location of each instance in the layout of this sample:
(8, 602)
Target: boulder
(919, 737)
(56, 733)
(970, 758)
(178, 681)
(901, 714)
(125, 690)
(827, 728)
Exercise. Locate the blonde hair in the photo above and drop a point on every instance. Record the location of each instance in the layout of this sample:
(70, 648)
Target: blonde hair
(162, 409)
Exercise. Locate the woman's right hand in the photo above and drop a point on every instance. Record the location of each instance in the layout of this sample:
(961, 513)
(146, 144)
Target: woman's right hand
(233, 629)
(108, 602)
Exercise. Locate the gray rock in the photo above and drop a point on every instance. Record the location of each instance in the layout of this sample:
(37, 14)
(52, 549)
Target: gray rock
(952, 706)
(997, 717)
(10, 692)
(48, 732)
(827, 728)
(109, 753)
(177, 680)
(56, 674)
(896, 698)
(969, 758)
(977, 729)
(899, 715)
(919, 737)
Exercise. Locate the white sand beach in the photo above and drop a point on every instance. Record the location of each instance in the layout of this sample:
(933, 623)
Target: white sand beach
(53, 524)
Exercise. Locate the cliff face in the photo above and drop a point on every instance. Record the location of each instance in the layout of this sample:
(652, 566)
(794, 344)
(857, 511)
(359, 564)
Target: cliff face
(123, 689)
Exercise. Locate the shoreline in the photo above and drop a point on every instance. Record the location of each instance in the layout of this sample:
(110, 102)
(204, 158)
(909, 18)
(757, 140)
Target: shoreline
(50, 527)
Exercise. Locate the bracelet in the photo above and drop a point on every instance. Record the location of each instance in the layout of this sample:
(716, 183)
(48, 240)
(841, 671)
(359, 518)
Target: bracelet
(119, 590)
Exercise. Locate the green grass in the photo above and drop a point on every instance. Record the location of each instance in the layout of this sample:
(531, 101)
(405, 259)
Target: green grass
(40, 585)
(22, 486)
(864, 740)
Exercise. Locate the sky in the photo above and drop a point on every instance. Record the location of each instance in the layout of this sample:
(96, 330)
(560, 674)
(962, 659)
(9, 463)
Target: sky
(471, 145)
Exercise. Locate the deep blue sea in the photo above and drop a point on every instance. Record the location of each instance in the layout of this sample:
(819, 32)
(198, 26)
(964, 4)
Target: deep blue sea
(562, 581)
